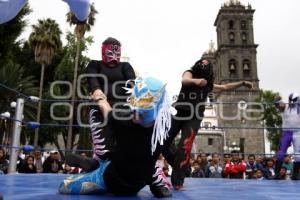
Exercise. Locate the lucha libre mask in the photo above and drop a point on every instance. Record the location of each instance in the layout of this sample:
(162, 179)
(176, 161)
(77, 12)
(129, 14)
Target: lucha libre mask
(293, 97)
(147, 98)
(203, 69)
(111, 53)
(294, 101)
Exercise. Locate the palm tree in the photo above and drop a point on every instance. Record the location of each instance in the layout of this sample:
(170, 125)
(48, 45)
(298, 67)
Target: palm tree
(45, 39)
(80, 29)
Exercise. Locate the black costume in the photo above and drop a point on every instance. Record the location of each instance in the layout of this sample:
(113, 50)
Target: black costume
(116, 78)
(131, 167)
(112, 86)
(190, 108)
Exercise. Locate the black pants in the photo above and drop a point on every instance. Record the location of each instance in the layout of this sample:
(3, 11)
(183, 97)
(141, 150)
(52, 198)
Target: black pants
(102, 135)
(103, 139)
(178, 156)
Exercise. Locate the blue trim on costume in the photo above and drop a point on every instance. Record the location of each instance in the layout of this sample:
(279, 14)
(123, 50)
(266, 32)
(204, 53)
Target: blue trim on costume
(89, 183)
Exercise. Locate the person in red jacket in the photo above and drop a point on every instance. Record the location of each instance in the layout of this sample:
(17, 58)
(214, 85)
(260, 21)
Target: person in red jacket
(236, 168)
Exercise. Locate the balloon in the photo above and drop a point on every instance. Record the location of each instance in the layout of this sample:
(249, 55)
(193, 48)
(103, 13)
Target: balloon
(81, 8)
(9, 9)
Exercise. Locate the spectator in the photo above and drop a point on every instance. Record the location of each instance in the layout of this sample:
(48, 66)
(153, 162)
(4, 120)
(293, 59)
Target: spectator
(236, 169)
(28, 166)
(288, 164)
(21, 159)
(260, 162)
(190, 168)
(226, 159)
(198, 159)
(269, 170)
(70, 170)
(52, 164)
(197, 172)
(259, 175)
(282, 174)
(214, 169)
(38, 159)
(251, 166)
(3, 162)
(204, 162)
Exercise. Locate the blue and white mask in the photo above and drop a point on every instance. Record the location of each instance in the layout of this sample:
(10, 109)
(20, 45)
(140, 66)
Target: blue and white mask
(150, 100)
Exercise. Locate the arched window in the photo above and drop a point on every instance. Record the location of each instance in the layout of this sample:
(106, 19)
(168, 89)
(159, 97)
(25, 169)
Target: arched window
(244, 25)
(244, 37)
(231, 37)
(232, 68)
(231, 24)
(246, 68)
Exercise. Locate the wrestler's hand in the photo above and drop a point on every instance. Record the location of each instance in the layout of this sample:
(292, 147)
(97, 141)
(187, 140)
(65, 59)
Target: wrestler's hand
(200, 82)
(98, 94)
(277, 98)
(248, 84)
(279, 104)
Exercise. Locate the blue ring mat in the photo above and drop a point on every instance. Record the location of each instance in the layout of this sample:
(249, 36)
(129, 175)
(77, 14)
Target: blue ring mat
(44, 187)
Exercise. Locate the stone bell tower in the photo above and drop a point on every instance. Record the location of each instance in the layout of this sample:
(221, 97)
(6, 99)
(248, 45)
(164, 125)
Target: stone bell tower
(235, 60)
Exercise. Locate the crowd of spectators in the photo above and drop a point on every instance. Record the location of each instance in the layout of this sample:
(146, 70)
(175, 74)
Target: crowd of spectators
(37, 161)
(237, 166)
(231, 166)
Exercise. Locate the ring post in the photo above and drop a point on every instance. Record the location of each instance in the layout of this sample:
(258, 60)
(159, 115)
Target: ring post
(16, 136)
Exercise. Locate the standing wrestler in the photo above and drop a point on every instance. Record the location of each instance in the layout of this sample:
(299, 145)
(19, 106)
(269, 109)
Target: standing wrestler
(105, 80)
(290, 114)
(196, 84)
(139, 135)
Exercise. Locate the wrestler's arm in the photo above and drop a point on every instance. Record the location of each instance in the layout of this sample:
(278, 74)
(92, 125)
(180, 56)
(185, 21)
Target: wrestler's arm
(104, 107)
(188, 80)
(231, 86)
(94, 85)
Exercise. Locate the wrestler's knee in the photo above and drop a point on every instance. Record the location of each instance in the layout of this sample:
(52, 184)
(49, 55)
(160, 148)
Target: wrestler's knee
(280, 155)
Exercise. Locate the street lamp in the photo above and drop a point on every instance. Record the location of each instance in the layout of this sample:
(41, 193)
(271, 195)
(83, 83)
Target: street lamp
(234, 147)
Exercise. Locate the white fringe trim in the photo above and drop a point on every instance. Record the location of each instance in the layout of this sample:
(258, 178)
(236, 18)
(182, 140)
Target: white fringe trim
(162, 124)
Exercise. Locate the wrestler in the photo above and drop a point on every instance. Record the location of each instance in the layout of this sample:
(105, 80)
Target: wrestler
(111, 76)
(139, 135)
(197, 83)
(290, 114)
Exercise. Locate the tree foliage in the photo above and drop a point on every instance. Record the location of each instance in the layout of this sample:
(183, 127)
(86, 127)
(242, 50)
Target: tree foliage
(272, 118)
(64, 72)
(45, 38)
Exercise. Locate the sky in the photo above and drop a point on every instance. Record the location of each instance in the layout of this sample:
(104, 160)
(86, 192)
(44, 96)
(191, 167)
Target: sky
(163, 38)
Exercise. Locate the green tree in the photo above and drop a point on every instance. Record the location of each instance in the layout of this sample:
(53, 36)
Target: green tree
(12, 72)
(64, 71)
(272, 118)
(80, 29)
(12, 76)
(45, 38)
